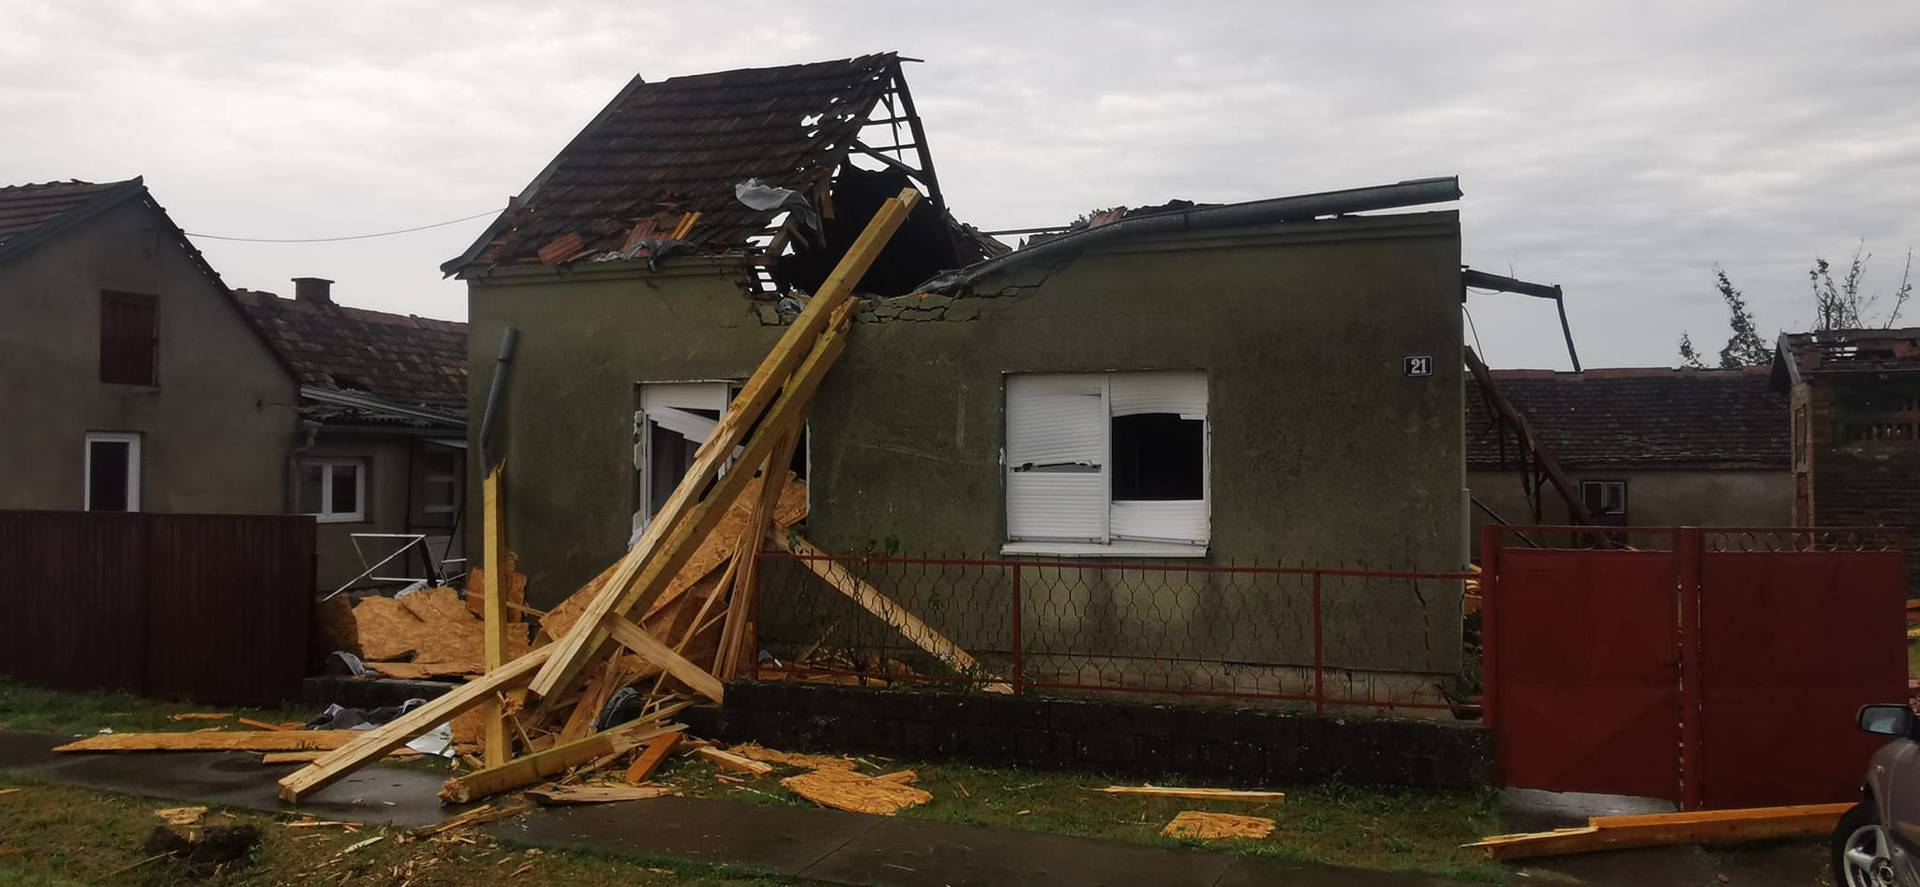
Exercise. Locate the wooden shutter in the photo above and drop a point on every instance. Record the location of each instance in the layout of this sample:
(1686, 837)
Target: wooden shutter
(128, 338)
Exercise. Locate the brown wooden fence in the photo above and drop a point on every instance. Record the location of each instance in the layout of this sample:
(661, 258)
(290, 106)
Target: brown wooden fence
(212, 607)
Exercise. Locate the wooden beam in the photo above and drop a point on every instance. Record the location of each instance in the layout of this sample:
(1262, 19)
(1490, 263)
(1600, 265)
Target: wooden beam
(588, 634)
(555, 795)
(1200, 794)
(726, 659)
(693, 526)
(727, 760)
(529, 769)
(376, 743)
(870, 599)
(635, 638)
(650, 759)
(1576, 505)
(1713, 826)
(495, 749)
(252, 740)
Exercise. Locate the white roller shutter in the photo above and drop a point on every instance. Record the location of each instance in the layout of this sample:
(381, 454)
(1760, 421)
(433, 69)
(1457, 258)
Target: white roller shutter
(1182, 521)
(1056, 453)
(1181, 393)
(692, 426)
(683, 396)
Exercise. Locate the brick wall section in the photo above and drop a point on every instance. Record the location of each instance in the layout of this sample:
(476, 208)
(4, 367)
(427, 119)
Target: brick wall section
(1857, 484)
(1216, 745)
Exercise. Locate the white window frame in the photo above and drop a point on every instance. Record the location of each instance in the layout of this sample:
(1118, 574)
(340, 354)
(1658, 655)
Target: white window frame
(1110, 545)
(132, 440)
(326, 515)
(669, 401)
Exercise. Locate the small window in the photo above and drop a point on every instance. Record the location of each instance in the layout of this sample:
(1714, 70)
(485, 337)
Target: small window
(437, 477)
(1606, 501)
(333, 490)
(113, 472)
(674, 419)
(1107, 463)
(129, 338)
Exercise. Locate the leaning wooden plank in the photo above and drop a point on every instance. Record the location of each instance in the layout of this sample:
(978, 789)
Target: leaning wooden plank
(1202, 794)
(588, 633)
(745, 563)
(634, 638)
(598, 794)
(727, 760)
(1624, 832)
(375, 743)
(855, 793)
(494, 747)
(263, 740)
(650, 758)
(870, 599)
(701, 518)
(529, 769)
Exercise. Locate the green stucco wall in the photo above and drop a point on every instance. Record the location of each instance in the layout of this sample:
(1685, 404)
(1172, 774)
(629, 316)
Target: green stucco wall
(1323, 452)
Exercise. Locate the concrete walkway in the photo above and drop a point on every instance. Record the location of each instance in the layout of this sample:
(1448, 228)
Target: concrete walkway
(807, 844)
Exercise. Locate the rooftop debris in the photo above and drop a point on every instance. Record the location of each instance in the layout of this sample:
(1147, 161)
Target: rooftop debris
(1200, 825)
(1711, 826)
(674, 609)
(1198, 794)
(855, 792)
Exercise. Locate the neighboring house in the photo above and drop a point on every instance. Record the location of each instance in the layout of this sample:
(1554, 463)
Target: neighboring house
(1253, 383)
(130, 380)
(1856, 429)
(1650, 447)
(381, 452)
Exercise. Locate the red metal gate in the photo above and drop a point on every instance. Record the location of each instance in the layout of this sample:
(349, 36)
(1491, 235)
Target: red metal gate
(1723, 668)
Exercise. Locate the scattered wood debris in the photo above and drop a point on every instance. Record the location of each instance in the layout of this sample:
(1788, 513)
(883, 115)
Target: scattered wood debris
(480, 815)
(650, 758)
(1200, 825)
(535, 767)
(201, 716)
(1621, 832)
(760, 752)
(854, 792)
(1198, 794)
(727, 760)
(597, 794)
(278, 740)
(899, 777)
(308, 757)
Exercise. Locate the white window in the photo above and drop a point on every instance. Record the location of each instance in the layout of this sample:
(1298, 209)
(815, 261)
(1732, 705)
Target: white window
(333, 490)
(1107, 463)
(113, 472)
(675, 418)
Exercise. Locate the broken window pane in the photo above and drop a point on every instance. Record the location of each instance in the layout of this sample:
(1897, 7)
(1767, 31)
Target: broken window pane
(1158, 457)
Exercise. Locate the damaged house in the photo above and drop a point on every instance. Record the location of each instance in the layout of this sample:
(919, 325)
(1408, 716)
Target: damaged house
(1272, 382)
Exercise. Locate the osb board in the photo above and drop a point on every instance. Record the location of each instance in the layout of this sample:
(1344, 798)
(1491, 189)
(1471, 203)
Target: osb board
(386, 629)
(334, 625)
(514, 592)
(713, 552)
(427, 627)
(760, 752)
(1198, 825)
(854, 793)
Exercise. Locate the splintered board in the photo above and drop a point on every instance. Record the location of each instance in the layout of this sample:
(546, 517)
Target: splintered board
(855, 793)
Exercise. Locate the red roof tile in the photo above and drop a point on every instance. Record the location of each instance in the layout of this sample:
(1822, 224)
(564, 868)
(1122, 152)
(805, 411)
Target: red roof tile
(680, 146)
(26, 208)
(1639, 417)
(401, 358)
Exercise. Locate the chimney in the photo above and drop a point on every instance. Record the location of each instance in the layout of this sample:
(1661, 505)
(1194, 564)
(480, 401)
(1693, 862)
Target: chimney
(317, 290)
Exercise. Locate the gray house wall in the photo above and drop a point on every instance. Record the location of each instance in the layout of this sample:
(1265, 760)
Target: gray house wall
(1702, 496)
(1323, 451)
(215, 431)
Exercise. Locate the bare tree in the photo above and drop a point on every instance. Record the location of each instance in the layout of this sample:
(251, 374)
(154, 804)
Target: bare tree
(1838, 305)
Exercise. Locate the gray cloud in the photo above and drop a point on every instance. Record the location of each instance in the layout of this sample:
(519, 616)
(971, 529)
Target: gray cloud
(1619, 150)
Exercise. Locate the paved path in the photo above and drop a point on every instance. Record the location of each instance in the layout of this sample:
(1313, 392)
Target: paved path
(818, 845)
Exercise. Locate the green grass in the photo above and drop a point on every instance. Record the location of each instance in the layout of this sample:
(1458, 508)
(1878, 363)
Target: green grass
(1913, 659)
(30, 709)
(53, 835)
(1410, 831)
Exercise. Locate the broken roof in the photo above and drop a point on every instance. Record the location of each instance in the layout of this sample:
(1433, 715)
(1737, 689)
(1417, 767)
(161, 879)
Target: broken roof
(1845, 351)
(29, 214)
(663, 159)
(1634, 417)
(401, 359)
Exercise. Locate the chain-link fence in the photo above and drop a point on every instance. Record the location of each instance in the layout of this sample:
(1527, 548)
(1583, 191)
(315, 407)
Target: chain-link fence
(1320, 636)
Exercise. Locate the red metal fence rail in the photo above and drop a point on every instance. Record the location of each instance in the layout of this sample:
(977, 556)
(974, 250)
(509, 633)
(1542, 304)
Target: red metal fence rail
(1329, 637)
(209, 607)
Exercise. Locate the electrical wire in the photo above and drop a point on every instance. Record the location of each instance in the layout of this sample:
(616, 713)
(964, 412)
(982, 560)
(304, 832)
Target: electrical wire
(1476, 334)
(347, 237)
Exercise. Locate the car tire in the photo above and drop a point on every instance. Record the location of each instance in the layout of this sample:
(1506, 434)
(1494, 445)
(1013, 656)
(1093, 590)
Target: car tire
(1859, 829)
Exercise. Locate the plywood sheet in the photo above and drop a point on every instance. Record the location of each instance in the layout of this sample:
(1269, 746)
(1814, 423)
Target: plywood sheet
(854, 793)
(1199, 825)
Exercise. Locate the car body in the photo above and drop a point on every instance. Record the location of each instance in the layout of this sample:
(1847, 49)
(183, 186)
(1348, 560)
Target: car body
(1877, 843)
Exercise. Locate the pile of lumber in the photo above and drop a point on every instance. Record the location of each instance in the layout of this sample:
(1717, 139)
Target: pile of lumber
(671, 619)
(420, 635)
(1652, 830)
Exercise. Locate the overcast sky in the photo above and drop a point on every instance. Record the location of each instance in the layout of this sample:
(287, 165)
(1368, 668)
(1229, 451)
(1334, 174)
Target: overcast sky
(1618, 150)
